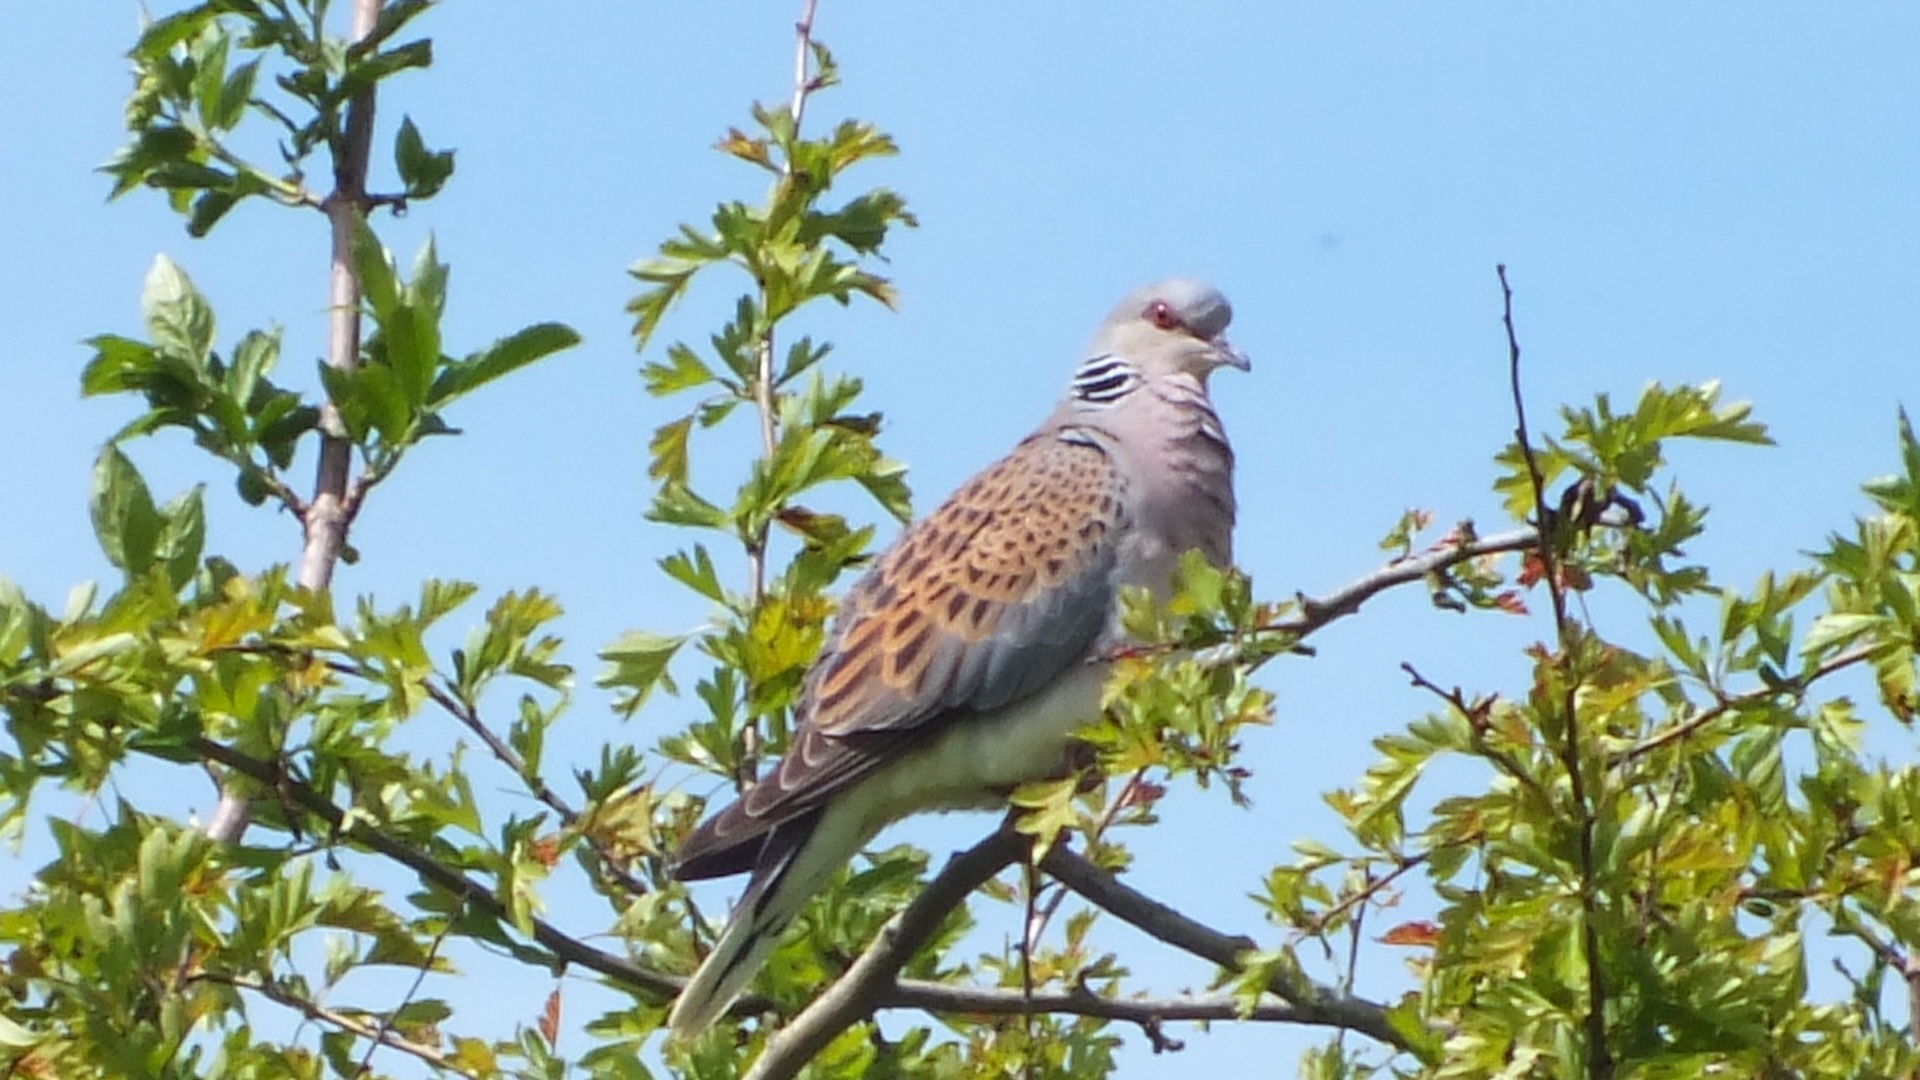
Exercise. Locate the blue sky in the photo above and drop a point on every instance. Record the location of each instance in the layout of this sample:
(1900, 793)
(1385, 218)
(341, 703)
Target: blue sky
(1681, 192)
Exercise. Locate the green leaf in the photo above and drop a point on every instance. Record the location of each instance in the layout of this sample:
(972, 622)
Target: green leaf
(683, 370)
(503, 357)
(125, 520)
(637, 664)
(423, 171)
(1901, 494)
(364, 71)
(182, 536)
(177, 316)
(668, 451)
(379, 282)
(119, 364)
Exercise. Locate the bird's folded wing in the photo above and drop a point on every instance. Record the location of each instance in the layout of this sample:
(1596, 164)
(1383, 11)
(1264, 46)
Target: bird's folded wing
(985, 602)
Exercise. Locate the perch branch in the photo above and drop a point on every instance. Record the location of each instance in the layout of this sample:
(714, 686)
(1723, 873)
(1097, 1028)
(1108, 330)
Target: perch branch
(1314, 1004)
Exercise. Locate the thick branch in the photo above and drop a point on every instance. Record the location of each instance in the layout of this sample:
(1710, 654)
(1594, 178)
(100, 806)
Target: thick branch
(1314, 1004)
(327, 514)
(942, 998)
(869, 983)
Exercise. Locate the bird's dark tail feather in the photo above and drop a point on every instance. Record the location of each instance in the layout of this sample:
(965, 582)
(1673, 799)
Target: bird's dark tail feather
(785, 876)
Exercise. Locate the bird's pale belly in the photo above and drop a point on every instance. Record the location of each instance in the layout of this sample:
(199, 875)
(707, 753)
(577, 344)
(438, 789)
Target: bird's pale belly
(973, 763)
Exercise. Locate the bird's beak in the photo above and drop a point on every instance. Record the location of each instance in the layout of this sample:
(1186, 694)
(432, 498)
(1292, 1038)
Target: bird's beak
(1231, 356)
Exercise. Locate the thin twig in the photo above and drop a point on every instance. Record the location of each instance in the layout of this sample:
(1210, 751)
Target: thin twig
(1600, 1065)
(764, 396)
(803, 83)
(383, 1035)
(456, 706)
(1037, 925)
(419, 979)
(1372, 889)
(327, 516)
(357, 829)
(1726, 704)
(945, 1000)
(469, 716)
(1316, 613)
(1477, 725)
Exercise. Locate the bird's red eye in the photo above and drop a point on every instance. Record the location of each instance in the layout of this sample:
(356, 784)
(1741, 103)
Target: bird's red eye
(1160, 314)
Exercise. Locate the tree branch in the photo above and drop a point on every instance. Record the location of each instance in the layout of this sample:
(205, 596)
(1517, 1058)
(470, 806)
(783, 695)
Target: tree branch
(357, 829)
(1316, 613)
(1687, 728)
(1600, 1065)
(383, 1035)
(989, 1001)
(327, 514)
(869, 983)
(1314, 1004)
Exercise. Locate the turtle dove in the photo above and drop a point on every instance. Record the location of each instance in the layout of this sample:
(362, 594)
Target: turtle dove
(962, 662)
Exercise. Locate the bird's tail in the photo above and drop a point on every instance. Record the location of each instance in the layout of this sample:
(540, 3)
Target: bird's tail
(796, 862)
(743, 946)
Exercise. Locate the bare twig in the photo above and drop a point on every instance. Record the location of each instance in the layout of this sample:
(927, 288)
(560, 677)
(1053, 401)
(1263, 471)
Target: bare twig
(1316, 613)
(1726, 704)
(864, 987)
(803, 83)
(1475, 716)
(1315, 1004)
(1600, 1065)
(469, 716)
(1372, 889)
(358, 830)
(383, 1035)
(419, 978)
(327, 515)
(1037, 925)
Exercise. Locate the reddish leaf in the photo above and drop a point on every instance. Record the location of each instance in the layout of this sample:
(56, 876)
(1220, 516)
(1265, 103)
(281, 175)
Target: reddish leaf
(550, 1018)
(1531, 570)
(1416, 933)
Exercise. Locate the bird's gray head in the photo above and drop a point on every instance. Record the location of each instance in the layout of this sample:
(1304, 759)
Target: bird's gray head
(1177, 325)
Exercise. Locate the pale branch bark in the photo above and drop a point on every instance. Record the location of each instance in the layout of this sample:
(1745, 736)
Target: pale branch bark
(942, 998)
(328, 514)
(1317, 612)
(866, 984)
(1315, 1004)
(764, 396)
(382, 1035)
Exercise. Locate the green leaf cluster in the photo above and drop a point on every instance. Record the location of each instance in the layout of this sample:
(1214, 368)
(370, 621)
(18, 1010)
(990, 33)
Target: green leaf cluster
(200, 73)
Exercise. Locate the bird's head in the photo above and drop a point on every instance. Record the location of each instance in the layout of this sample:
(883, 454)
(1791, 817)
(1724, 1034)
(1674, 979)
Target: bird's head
(1177, 325)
